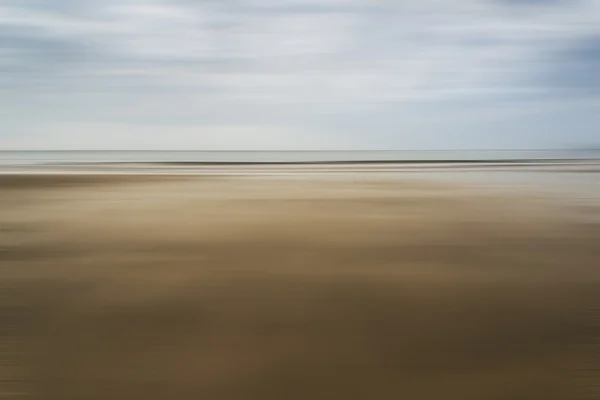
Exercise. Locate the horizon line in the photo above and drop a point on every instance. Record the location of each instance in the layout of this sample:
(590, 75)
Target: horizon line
(299, 150)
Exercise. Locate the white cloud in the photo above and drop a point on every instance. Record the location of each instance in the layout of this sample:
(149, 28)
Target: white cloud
(77, 135)
(160, 31)
(418, 45)
(288, 56)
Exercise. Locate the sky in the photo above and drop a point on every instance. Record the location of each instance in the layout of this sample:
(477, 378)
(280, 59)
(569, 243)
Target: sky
(299, 74)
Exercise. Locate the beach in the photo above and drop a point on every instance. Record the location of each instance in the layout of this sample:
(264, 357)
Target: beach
(231, 286)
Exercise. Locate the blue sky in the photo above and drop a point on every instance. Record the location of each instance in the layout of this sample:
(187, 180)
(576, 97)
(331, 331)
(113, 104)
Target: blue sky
(299, 74)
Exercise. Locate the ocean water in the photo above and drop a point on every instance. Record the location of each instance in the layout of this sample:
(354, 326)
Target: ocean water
(67, 157)
(576, 181)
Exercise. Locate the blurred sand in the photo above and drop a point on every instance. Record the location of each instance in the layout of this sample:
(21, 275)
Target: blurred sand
(158, 287)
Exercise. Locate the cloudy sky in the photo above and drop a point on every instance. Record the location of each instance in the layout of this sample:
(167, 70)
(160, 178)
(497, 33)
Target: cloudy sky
(299, 74)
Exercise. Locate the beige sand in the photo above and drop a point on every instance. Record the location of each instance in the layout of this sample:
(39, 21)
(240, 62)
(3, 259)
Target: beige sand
(225, 288)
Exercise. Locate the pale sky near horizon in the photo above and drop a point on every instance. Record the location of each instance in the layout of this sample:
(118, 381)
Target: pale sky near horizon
(299, 74)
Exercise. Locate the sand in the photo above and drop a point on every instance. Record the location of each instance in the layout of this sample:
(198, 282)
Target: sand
(223, 288)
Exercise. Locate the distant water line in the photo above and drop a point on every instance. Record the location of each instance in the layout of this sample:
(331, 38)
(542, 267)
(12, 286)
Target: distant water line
(289, 157)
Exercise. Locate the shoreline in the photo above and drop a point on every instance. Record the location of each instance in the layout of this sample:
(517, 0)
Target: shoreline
(307, 165)
(573, 181)
(336, 162)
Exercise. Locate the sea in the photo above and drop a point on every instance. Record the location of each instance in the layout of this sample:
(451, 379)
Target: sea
(216, 157)
(572, 174)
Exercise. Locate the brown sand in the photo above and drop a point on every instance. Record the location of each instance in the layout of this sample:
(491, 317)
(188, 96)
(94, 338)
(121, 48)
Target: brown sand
(221, 289)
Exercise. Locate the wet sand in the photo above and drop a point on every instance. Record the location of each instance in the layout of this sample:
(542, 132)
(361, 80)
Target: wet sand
(200, 287)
